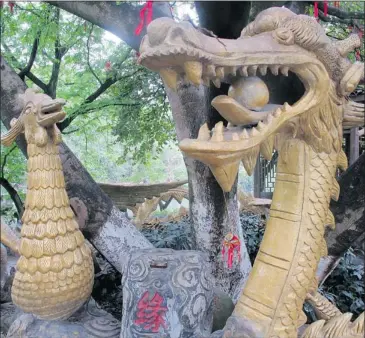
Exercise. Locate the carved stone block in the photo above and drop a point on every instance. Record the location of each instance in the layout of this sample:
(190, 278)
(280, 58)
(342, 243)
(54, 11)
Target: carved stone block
(168, 294)
(88, 322)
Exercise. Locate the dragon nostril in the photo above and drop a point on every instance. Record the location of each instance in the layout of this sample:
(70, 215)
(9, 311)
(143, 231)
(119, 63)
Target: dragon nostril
(284, 36)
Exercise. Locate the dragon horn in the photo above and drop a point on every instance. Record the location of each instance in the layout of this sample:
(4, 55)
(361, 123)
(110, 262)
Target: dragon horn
(16, 128)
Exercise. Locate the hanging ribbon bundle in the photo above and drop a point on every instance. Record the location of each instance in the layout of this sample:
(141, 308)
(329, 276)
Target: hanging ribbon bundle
(147, 11)
(231, 244)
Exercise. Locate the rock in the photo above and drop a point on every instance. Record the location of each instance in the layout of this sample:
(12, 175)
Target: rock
(9, 313)
(168, 294)
(222, 309)
(88, 322)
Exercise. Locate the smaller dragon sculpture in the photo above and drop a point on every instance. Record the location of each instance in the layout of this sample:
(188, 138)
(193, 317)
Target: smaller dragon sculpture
(55, 272)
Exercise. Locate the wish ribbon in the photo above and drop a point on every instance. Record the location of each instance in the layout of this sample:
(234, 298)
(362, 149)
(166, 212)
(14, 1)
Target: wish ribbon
(231, 243)
(147, 11)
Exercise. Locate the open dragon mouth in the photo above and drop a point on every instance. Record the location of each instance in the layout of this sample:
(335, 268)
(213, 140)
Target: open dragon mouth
(254, 112)
(257, 69)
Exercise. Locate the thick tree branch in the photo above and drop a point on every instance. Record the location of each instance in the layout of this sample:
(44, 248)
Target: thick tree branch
(119, 19)
(81, 111)
(333, 19)
(59, 52)
(29, 75)
(33, 54)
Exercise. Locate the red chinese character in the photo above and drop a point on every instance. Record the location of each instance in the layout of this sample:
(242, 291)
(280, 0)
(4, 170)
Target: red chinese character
(150, 312)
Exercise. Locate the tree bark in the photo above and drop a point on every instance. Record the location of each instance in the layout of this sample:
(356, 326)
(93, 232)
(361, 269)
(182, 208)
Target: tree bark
(212, 212)
(101, 222)
(349, 212)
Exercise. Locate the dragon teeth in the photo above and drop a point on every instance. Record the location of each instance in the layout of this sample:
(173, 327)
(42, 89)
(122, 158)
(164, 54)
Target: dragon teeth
(284, 70)
(211, 71)
(217, 82)
(232, 70)
(169, 76)
(243, 71)
(263, 70)
(218, 132)
(269, 118)
(235, 137)
(225, 174)
(250, 158)
(274, 69)
(244, 134)
(204, 133)
(277, 112)
(220, 72)
(267, 147)
(260, 126)
(193, 70)
(254, 132)
(252, 70)
(206, 81)
(286, 107)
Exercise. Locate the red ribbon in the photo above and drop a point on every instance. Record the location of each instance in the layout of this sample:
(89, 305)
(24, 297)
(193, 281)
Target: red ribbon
(231, 243)
(11, 5)
(325, 8)
(358, 55)
(337, 4)
(146, 9)
(316, 10)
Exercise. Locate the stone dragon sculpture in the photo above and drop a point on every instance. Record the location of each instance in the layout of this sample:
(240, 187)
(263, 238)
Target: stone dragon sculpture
(55, 271)
(306, 133)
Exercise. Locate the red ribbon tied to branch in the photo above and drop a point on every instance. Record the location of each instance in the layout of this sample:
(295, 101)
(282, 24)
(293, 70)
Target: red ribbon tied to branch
(325, 8)
(231, 243)
(316, 9)
(147, 11)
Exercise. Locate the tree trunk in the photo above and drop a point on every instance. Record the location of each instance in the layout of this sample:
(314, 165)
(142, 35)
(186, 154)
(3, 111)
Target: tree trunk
(349, 212)
(101, 222)
(213, 213)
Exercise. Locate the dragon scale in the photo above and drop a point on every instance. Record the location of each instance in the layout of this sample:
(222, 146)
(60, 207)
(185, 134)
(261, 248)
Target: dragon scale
(298, 225)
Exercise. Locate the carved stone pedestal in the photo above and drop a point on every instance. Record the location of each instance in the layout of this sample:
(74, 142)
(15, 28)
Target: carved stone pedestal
(88, 322)
(168, 294)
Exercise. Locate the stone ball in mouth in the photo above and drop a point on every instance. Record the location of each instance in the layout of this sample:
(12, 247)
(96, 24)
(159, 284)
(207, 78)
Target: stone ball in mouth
(251, 92)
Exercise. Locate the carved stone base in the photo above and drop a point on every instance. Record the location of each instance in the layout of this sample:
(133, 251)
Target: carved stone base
(168, 294)
(88, 322)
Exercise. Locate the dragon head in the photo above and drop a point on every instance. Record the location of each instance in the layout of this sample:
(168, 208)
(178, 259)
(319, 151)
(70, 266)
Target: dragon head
(277, 42)
(37, 120)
